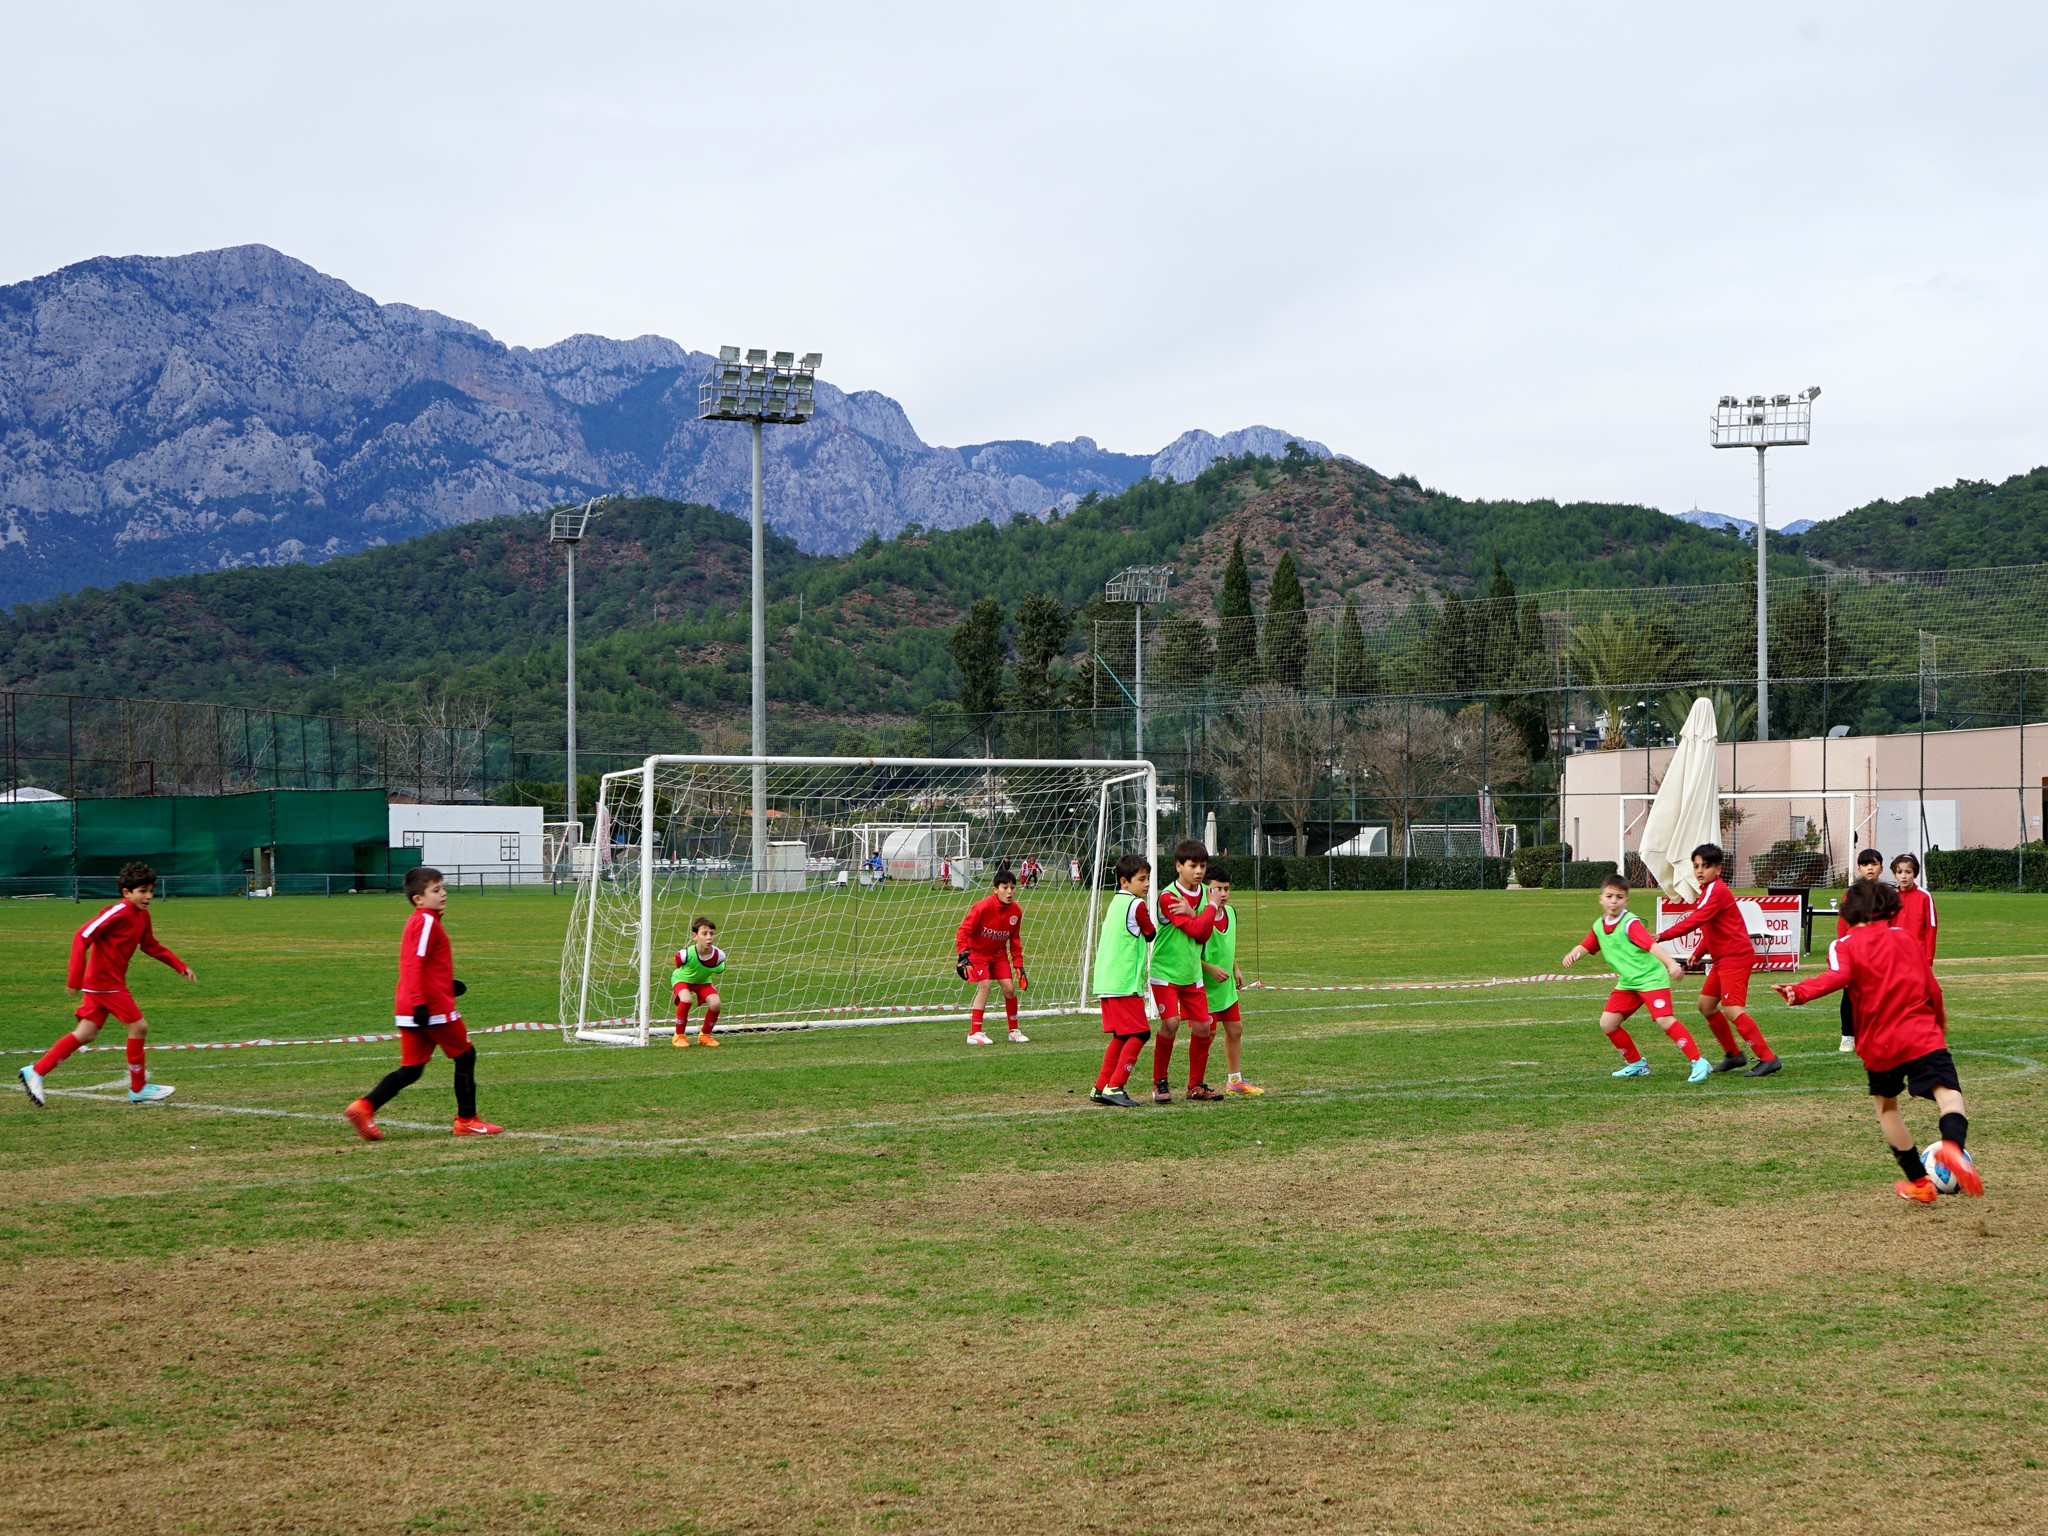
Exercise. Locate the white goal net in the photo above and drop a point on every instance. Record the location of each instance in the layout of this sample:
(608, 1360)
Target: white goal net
(838, 884)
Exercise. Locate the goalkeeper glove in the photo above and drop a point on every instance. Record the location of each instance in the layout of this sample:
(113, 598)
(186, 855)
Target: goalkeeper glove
(1023, 981)
(960, 965)
(460, 988)
(421, 1014)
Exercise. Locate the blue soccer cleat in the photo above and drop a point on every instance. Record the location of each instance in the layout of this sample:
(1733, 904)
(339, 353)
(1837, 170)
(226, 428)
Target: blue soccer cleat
(1701, 1071)
(150, 1093)
(1636, 1068)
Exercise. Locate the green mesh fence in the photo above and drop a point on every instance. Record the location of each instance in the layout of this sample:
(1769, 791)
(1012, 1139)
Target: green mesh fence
(313, 832)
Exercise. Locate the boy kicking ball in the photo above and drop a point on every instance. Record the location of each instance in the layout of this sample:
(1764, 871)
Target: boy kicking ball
(695, 980)
(1219, 969)
(425, 1014)
(1900, 1035)
(990, 941)
(100, 952)
(1119, 974)
(1643, 972)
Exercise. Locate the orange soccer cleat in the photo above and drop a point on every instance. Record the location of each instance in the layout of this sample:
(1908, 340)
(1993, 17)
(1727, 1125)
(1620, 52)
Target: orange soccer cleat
(705, 1037)
(363, 1116)
(1920, 1191)
(682, 1038)
(475, 1126)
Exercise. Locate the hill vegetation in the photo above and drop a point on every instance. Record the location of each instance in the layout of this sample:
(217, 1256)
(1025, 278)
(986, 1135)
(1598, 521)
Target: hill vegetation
(1970, 523)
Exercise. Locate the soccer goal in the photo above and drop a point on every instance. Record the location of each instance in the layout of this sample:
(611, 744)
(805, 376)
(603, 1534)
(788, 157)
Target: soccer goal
(782, 854)
(1773, 837)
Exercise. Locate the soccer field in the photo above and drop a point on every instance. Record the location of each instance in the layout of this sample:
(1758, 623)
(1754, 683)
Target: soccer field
(1447, 1276)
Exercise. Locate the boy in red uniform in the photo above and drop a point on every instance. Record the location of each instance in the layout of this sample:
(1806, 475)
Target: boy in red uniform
(1177, 988)
(1725, 939)
(1916, 904)
(990, 942)
(1900, 1034)
(425, 1014)
(98, 977)
(1869, 866)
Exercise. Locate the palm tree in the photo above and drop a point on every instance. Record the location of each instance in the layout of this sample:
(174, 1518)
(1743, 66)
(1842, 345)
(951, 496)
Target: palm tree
(1734, 717)
(1621, 659)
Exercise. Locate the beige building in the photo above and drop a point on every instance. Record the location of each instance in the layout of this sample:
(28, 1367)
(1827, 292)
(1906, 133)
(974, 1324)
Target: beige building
(1899, 794)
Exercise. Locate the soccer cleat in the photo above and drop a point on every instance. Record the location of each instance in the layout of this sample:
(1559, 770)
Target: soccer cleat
(979, 1037)
(1162, 1093)
(681, 1039)
(1766, 1068)
(363, 1116)
(1636, 1068)
(1100, 1096)
(32, 1085)
(1238, 1085)
(150, 1093)
(1202, 1093)
(1957, 1162)
(1701, 1071)
(705, 1037)
(1848, 1045)
(474, 1126)
(1920, 1191)
(1731, 1062)
(1121, 1099)
(1018, 1037)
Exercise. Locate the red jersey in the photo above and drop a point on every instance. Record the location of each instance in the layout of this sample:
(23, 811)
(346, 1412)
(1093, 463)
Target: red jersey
(101, 950)
(1899, 1010)
(1724, 938)
(1197, 921)
(426, 969)
(1916, 916)
(989, 928)
(1842, 928)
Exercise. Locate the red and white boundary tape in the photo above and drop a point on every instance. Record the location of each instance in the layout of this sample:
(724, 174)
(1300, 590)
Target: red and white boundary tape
(1436, 986)
(243, 1045)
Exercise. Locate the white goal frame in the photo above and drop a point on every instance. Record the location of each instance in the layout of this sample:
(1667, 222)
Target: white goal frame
(637, 1031)
(1623, 823)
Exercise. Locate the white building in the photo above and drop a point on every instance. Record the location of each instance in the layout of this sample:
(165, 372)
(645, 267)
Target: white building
(499, 842)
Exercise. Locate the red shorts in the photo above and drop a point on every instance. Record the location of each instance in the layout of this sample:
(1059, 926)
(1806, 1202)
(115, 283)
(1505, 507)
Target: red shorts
(416, 1042)
(997, 969)
(1230, 1015)
(93, 1007)
(1124, 1016)
(1729, 981)
(1181, 1002)
(704, 992)
(1625, 1002)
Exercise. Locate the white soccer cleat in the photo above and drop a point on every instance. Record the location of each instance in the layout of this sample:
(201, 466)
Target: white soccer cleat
(1848, 1046)
(979, 1037)
(32, 1085)
(1018, 1037)
(150, 1093)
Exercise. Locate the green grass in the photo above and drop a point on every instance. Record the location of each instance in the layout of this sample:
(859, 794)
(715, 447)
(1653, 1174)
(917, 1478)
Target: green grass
(1447, 1275)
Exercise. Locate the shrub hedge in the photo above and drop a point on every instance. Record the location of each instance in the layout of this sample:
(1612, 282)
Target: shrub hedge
(1988, 869)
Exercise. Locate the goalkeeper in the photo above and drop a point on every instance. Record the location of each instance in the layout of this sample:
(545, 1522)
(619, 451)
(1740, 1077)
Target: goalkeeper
(695, 980)
(990, 945)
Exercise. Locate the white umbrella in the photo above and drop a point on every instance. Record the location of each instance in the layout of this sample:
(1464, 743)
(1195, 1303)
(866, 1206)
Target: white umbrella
(1687, 810)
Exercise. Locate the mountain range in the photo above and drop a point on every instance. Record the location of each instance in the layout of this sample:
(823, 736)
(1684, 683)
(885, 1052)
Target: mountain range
(1739, 526)
(165, 415)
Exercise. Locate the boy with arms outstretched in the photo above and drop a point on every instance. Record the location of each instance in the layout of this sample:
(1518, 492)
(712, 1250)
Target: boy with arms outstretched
(1724, 938)
(1177, 990)
(1643, 973)
(695, 980)
(1219, 970)
(98, 978)
(1901, 1034)
(425, 1014)
(1869, 866)
(990, 942)
(1119, 976)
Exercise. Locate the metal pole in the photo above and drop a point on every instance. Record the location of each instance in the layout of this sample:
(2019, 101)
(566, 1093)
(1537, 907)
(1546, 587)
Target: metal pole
(760, 678)
(1763, 612)
(1138, 674)
(574, 834)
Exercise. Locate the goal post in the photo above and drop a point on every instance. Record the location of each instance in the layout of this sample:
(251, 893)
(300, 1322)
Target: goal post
(867, 867)
(1803, 837)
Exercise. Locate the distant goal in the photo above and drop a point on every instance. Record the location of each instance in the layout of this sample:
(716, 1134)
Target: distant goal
(838, 904)
(1773, 837)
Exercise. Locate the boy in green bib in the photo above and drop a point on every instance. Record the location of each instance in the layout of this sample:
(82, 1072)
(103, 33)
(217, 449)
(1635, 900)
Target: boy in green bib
(1644, 971)
(1219, 967)
(1118, 977)
(695, 980)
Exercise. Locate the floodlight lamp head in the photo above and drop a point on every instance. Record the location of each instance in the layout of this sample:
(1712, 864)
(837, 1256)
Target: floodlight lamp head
(1813, 392)
(728, 354)
(757, 357)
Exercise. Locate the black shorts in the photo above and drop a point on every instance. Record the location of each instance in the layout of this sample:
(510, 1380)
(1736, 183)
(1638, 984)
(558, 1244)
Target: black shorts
(1919, 1077)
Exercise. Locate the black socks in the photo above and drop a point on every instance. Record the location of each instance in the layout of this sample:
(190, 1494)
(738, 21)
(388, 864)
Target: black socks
(1956, 1128)
(1909, 1162)
(393, 1084)
(465, 1084)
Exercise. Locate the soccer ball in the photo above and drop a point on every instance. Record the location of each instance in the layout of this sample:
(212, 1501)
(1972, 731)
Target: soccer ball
(1944, 1181)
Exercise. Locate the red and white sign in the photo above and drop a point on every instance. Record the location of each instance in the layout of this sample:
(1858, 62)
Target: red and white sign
(1772, 921)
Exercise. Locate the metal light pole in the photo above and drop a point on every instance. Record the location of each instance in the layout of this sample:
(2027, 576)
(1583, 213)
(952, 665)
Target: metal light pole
(760, 391)
(1139, 585)
(567, 528)
(1782, 421)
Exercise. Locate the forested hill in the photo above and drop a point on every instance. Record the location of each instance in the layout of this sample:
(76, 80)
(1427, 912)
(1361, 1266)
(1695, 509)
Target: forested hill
(1970, 523)
(858, 640)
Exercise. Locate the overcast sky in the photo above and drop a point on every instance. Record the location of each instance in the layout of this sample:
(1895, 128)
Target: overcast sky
(1516, 250)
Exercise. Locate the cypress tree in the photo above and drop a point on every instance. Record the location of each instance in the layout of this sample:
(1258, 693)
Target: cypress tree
(1286, 625)
(1237, 629)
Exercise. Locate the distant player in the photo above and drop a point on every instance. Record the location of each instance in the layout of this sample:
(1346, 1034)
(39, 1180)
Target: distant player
(1724, 938)
(425, 1013)
(990, 942)
(695, 980)
(1643, 973)
(1219, 970)
(1186, 923)
(98, 978)
(1916, 904)
(1901, 1034)
(1119, 973)
(1869, 866)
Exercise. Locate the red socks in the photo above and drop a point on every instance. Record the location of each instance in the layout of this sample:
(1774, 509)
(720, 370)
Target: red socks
(1010, 1011)
(1110, 1053)
(1755, 1037)
(1682, 1040)
(1162, 1057)
(977, 1021)
(1718, 1023)
(710, 1022)
(1625, 1045)
(137, 1073)
(1127, 1058)
(682, 1018)
(1198, 1058)
(66, 1044)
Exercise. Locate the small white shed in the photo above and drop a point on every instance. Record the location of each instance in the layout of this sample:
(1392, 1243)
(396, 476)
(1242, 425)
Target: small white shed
(500, 842)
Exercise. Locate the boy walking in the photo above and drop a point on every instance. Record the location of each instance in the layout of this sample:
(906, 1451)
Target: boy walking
(1219, 971)
(1643, 973)
(1724, 938)
(1119, 973)
(98, 978)
(695, 980)
(990, 941)
(1900, 1034)
(425, 1014)
(1869, 866)
(1177, 975)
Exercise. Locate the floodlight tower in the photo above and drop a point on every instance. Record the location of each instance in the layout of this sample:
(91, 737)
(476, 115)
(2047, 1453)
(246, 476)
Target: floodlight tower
(760, 392)
(1782, 421)
(1139, 585)
(566, 528)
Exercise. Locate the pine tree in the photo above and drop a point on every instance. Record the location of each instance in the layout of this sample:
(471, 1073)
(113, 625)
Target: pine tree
(1357, 667)
(1237, 629)
(977, 644)
(1043, 626)
(1286, 625)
